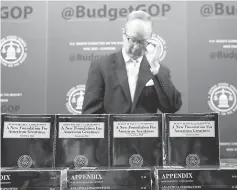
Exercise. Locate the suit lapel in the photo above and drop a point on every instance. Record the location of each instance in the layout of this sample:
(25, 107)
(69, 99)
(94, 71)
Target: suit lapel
(121, 73)
(143, 77)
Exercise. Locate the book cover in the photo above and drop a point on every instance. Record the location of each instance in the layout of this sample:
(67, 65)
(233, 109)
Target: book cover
(191, 140)
(110, 178)
(197, 178)
(82, 140)
(136, 140)
(27, 141)
(36, 179)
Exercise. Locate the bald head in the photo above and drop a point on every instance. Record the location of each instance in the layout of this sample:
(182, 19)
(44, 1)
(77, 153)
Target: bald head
(142, 15)
(139, 16)
(139, 22)
(138, 29)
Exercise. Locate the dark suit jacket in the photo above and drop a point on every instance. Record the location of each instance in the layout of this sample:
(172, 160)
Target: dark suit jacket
(107, 89)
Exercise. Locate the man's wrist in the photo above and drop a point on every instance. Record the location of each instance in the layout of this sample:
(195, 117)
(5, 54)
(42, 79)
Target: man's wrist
(154, 70)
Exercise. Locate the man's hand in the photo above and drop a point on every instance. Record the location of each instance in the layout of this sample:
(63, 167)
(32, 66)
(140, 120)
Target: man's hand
(153, 51)
(153, 54)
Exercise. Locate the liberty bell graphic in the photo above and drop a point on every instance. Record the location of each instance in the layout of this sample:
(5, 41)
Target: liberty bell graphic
(11, 50)
(223, 99)
(79, 100)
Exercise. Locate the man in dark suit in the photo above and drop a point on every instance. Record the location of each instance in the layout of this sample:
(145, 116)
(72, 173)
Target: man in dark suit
(131, 80)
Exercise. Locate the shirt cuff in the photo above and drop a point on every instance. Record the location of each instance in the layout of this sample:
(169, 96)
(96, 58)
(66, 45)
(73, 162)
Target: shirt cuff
(155, 70)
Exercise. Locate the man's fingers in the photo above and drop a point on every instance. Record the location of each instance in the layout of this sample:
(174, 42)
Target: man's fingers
(150, 48)
(154, 41)
(154, 35)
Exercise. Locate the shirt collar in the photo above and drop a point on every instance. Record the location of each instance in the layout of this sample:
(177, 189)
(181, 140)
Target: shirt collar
(127, 58)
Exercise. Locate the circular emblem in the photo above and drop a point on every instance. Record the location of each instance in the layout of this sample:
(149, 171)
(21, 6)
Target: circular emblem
(13, 51)
(24, 161)
(80, 161)
(75, 98)
(222, 98)
(136, 160)
(192, 160)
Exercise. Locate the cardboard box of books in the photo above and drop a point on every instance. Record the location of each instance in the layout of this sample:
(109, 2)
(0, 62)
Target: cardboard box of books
(33, 179)
(82, 140)
(109, 178)
(208, 178)
(191, 140)
(27, 141)
(136, 140)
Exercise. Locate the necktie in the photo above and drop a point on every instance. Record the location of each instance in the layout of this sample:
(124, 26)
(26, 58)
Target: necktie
(133, 70)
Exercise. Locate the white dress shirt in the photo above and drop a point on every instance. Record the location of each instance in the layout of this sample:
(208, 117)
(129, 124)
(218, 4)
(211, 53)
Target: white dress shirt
(132, 67)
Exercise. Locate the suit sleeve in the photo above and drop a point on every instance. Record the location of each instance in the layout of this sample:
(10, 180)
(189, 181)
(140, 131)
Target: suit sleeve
(169, 98)
(94, 93)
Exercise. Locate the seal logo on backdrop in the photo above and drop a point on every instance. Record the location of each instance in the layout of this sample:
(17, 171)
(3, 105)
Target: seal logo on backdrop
(192, 160)
(13, 51)
(222, 98)
(75, 98)
(24, 161)
(80, 161)
(136, 160)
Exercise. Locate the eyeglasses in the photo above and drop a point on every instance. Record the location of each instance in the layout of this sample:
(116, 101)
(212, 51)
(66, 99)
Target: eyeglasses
(140, 42)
